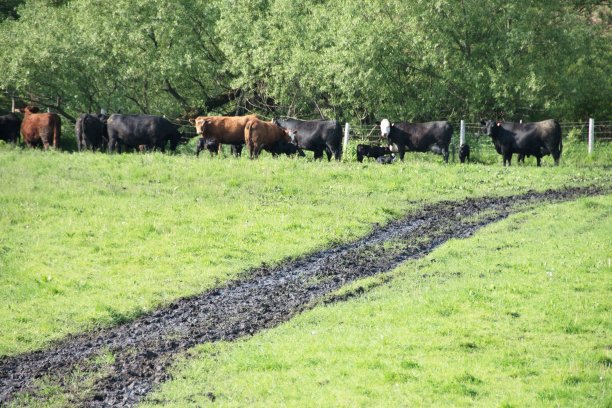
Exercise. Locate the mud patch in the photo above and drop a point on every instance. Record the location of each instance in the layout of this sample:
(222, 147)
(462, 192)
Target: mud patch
(143, 350)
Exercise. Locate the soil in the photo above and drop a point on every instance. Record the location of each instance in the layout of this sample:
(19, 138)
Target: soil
(145, 348)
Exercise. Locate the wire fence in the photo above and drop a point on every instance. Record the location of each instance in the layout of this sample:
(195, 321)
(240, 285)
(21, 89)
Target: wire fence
(481, 146)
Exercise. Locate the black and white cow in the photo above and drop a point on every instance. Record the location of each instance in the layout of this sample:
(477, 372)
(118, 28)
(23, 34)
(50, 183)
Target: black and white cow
(374, 152)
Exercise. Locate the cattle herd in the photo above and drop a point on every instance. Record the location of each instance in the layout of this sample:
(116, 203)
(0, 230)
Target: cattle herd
(279, 136)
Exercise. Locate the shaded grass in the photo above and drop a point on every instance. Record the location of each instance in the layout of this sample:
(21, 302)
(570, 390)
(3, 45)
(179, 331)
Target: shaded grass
(485, 321)
(92, 239)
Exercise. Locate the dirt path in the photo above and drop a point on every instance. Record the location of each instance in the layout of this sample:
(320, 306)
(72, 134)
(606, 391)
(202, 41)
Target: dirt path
(145, 348)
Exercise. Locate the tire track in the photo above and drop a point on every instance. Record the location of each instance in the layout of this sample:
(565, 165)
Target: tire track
(145, 348)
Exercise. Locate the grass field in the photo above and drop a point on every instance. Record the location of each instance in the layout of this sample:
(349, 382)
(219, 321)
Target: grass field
(517, 315)
(92, 239)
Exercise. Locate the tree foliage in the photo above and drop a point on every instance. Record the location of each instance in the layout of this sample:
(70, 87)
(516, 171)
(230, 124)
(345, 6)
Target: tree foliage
(350, 60)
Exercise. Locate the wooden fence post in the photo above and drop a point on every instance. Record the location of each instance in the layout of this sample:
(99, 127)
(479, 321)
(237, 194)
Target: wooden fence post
(591, 135)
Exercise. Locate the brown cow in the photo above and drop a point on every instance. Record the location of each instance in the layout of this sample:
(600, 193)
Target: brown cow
(222, 129)
(265, 135)
(38, 128)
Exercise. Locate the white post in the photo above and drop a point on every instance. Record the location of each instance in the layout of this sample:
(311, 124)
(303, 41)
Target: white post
(591, 135)
(462, 132)
(345, 141)
(13, 104)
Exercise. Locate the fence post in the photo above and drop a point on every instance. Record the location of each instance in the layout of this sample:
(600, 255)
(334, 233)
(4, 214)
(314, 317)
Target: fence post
(347, 129)
(461, 132)
(591, 135)
(12, 104)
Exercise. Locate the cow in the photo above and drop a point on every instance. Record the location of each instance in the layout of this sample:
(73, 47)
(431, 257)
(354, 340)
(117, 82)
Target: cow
(417, 137)
(214, 147)
(316, 135)
(223, 130)
(202, 144)
(9, 128)
(526, 139)
(371, 151)
(464, 153)
(141, 130)
(265, 135)
(91, 132)
(40, 128)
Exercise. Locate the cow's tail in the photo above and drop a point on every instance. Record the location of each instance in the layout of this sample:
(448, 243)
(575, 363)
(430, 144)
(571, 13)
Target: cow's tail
(57, 131)
(248, 139)
(558, 129)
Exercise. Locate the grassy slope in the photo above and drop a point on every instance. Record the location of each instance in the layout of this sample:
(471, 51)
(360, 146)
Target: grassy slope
(518, 315)
(88, 239)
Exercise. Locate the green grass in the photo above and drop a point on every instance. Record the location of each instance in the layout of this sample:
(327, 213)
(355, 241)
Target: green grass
(517, 315)
(94, 239)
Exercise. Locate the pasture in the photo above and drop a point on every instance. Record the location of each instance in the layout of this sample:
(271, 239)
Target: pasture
(485, 321)
(92, 240)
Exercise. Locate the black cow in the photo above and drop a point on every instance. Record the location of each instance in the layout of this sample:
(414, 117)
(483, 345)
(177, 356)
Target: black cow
(284, 147)
(464, 153)
(526, 139)
(141, 130)
(9, 128)
(213, 147)
(371, 151)
(418, 137)
(210, 145)
(91, 132)
(316, 135)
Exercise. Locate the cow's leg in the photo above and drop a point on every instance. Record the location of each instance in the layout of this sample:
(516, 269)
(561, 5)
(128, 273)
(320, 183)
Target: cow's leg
(337, 152)
(445, 154)
(257, 150)
(401, 151)
(328, 153)
(539, 160)
(318, 154)
(556, 154)
(507, 158)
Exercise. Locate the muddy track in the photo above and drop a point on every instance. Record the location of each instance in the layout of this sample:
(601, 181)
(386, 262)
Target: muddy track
(266, 297)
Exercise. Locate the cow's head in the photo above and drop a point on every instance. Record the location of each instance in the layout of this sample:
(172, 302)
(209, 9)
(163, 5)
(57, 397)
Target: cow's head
(200, 123)
(29, 109)
(490, 127)
(292, 135)
(385, 128)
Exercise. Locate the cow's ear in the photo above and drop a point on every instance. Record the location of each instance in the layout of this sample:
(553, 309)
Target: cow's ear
(192, 121)
(208, 121)
(482, 122)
